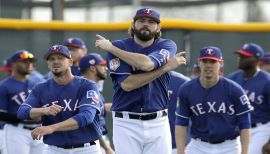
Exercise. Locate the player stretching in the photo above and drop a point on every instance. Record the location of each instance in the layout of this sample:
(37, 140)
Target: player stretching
(138, 67)
(218, 109)
(68, 105)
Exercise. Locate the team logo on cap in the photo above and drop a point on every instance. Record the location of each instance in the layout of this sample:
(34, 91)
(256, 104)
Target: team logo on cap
(56, 48)
(114, 64)
(92, 61)
(148, 11)
(210, 51)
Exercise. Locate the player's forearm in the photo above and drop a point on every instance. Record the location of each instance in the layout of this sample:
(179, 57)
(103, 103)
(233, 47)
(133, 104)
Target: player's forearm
(104, 145)
(138, 80)
(139, 61)
(180, 138)
(244, 138)
(69, 124)
(36, 113)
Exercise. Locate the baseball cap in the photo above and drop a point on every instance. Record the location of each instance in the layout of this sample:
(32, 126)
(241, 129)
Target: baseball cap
(21, 55)
(6, 65)
(251, 50)
(211, 52)
(74, 43)
(58, 49)
(265, 59)
(91, 60)
(147, 12)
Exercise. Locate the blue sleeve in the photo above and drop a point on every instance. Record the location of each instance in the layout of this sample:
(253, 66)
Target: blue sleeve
(3, 99)
(32, 101)
(118, 69)
(267, 93)
(89, 105)
(244, 121)
(242, 107)
(182, 111)
(165, 51)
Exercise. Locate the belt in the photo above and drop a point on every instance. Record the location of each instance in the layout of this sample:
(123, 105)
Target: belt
(24, 126)
(216, 142)
(258, 124)
(77, 146)
(140, 117)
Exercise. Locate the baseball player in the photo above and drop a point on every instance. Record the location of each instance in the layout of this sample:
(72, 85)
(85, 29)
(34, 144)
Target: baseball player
(218, 109)
(93, 67)
(78, 49)
(177, 79)
(256, 84)
(265, 62)
(68, 105)
(138, 68)
(13, 92)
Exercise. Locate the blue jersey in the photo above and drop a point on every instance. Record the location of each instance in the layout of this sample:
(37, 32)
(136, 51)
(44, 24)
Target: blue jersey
(151, 97)
(80, 100)
(257, 89)
(176, 81)
(13, 93)
(217, 113)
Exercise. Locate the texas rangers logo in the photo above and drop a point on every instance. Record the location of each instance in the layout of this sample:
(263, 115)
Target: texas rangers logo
(114, 64)
(148, 11)
(93, 95)
(56, 48)
(210, 51)
(92, 61)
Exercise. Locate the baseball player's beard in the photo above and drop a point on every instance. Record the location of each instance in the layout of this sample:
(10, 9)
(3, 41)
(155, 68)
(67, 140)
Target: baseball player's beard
(144, 36)
(101, 76)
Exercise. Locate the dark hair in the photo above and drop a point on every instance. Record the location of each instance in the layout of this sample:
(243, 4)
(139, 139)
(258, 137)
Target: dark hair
(131, 32)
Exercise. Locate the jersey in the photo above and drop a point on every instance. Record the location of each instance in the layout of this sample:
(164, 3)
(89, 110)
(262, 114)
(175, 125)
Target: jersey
(217, 113)
(13, 93)
(176, 81)
(80, 100)
(257, 89)
(151, 97)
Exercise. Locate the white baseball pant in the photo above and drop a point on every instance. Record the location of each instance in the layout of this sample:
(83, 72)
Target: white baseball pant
(132, 136)
(259, 136)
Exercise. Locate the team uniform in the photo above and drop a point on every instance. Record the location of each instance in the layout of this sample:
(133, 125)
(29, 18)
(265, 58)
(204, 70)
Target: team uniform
(140, 115)
(217, 115)
(257, 90)
(80, 100)
(176, 81)
(12, 94)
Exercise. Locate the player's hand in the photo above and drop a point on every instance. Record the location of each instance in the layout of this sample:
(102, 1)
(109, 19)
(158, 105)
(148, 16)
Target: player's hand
(175, 61)
(53, 110)
(103, 43)
(39, 132)
(266, 148)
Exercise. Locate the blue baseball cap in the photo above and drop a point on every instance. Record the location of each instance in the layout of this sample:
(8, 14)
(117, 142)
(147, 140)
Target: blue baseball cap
(58, 49)
(211, 52)
(91, 60)
(265, 59)
(74, 43)
(6, 65)
(251, 50)
(147, 12)
(21, 55)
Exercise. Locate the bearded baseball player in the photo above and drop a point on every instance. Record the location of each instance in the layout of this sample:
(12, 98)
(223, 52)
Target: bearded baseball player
(219, 111)
(256, 84)
(138, 68)
(13, 92)
(68, 106)
(177, 79)
(93, 67)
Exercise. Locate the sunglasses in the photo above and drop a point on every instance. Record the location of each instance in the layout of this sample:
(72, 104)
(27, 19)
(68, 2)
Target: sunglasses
(26, 55)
